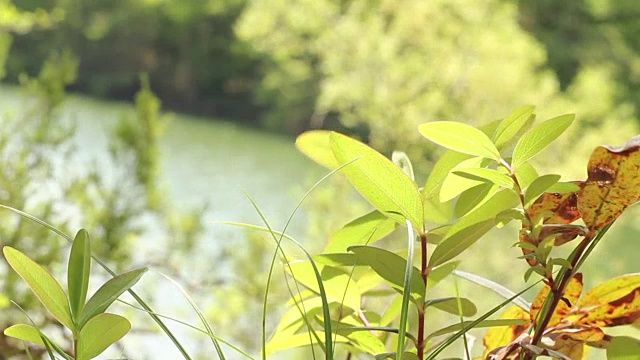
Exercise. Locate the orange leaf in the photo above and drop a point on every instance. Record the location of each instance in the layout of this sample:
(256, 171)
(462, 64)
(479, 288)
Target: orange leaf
(613, 183)
(563, 207)
(574, 349)
(503, 335)
(571, 295)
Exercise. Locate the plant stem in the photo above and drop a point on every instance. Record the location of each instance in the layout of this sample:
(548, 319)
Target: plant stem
(557, 292)
(421, 309)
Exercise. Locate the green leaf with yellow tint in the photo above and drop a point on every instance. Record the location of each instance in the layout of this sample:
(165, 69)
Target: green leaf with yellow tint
(538, 138)
(390, 267)
(461, 138)
(364, 230)
(512, 125)
(378, 180)
(613, 183)
(99, 333)
(43, 285)
(24, 332)
(315, 145)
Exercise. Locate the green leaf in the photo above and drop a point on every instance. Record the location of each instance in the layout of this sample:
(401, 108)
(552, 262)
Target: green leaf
(108, 293)
(24, 332)
(538, 186)
(539, 138)
(78, 273)
(455, 244)
(449, 160)
(390, 267)
(378, 180)
(471, 198)
(44, 286)
(511, 125)
(402, 161)
(486, 175)
(99, 333)
(502, 200)
(440, 273)
(461, 138)
(453, 185)
(364, 230)
(526, 174)
(315, 145)
(450, 305)
(437, 234)
(623, 348)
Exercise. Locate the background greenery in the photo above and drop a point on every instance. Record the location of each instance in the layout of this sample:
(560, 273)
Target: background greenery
(373, 68)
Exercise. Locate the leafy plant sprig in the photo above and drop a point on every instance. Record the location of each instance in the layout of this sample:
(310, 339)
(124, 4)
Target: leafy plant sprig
(92, 328)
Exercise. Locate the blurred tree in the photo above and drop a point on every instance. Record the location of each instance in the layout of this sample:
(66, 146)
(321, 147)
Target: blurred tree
(186, 46)
(586, 33)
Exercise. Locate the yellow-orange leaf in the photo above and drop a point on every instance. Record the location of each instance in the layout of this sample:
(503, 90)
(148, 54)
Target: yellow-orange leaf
(613, 183)
(571, 295)
(622, 311)
(610, 290)
(503, 335)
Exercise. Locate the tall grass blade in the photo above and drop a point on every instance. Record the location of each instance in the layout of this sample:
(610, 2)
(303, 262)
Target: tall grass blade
(406, 292)
(495, 287)
(195, 308)
(325, 304)
(138, 299)
(204, 332)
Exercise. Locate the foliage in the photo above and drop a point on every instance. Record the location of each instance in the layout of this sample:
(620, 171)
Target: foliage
(355, 274)
(93, 330)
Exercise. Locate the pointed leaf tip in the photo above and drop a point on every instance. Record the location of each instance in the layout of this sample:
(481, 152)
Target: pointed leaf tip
(538, 138)
(78, 272)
